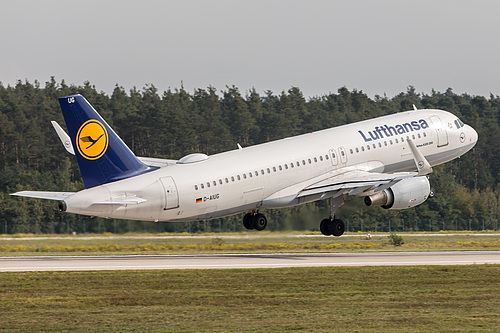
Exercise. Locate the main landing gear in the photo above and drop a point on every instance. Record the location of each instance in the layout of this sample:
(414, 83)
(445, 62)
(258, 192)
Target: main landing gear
(255, 221)
(333, 226)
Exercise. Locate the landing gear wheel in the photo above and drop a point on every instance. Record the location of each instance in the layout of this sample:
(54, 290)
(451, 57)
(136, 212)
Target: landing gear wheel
(336, 227)
(323, 227)
(432, 192)
(247, 221)
(259, 222)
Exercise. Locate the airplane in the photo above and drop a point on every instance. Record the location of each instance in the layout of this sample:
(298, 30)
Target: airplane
(384, 160)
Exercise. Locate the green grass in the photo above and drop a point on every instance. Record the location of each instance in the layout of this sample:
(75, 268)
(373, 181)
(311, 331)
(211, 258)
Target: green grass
(251, 242)
(342, 299)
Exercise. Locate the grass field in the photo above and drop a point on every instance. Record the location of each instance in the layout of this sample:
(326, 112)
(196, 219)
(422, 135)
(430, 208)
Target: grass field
(238, 243)
(341, 299)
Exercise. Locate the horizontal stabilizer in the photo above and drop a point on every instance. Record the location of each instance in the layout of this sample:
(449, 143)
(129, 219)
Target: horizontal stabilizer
(44, 195)
(122, 201)
(156, 162)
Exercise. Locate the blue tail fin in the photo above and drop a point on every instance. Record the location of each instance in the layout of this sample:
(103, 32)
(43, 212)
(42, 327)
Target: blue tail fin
(102, 156)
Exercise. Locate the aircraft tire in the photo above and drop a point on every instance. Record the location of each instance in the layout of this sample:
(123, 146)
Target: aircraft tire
(324, 227)
(259, 222)
(336, 227)
(247, 221)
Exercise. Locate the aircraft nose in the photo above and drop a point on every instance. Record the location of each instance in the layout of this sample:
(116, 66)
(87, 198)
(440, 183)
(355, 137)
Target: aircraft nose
(472, 135)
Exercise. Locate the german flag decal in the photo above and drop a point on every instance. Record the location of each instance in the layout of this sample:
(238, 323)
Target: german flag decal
(198, 200)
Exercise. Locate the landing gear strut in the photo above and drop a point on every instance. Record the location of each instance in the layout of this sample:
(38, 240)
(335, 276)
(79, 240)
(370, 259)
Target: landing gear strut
(255, 221)
(333, 226)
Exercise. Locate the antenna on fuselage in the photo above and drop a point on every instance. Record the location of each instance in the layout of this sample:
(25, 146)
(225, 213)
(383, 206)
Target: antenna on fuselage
(415, 108)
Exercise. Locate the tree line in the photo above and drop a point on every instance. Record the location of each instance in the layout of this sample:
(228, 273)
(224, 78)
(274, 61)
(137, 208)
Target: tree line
(174, 123)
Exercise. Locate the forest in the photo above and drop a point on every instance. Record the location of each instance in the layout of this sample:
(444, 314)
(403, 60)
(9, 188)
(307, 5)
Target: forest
(174, 123)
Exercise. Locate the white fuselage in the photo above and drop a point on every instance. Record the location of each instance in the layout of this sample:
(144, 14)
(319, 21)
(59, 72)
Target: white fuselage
(271, 175)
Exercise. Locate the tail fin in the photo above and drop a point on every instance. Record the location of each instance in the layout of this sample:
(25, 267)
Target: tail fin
(102, 156)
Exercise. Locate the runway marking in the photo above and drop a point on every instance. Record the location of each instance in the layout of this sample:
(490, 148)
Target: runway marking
(237, 261)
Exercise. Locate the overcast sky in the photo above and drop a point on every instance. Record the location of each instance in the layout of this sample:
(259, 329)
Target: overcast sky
(319, 46)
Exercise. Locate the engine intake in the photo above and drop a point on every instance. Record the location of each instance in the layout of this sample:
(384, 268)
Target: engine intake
(407, 193)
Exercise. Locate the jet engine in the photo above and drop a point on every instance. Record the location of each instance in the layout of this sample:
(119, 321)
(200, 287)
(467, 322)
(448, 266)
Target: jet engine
(407, 193)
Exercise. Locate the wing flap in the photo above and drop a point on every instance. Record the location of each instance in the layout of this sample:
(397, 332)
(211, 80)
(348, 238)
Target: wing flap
(356, 182)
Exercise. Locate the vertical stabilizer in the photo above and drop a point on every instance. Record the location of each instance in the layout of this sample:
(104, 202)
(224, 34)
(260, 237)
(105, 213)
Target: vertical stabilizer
(102, 156)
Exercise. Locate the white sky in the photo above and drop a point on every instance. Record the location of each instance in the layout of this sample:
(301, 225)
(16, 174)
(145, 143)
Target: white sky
(319, 46)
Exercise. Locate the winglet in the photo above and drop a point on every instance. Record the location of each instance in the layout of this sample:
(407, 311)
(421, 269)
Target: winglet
(64, 137)
(423, 166)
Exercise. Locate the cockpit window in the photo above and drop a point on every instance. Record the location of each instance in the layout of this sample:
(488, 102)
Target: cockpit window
(459, 123)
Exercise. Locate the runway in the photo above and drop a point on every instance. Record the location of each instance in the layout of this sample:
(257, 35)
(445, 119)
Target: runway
(228, 261)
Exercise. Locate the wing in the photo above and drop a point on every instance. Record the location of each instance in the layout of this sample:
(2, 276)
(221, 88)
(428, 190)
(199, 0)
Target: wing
(355, 182)
(44, 195)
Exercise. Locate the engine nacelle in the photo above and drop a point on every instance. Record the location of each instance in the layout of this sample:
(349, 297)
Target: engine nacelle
(407, 193)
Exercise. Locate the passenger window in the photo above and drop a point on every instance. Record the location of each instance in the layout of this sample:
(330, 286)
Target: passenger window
(250, 174)
(357, 150)
(418, 135)
(425, 135)
(220, 181)
(291, 165)
(315, 160)
(298, 163)
(227, 180)
(379, 145)
(374, 146)
(362, 148)
(321, 158)
(196, 187)
(239, 178)
(257, 173)
(244, 176)
(303, 162)
(280, 167)
(309, 160)
(368, 147)
(262, 171)
(268, 170)
(326, 156)
(208, 184)
(397, 141)
(286, 166)
(350, 150)
(402, 139)
(274, 169)
(232, 178)
(385, 143)
(413, 136)
(390, 141)
(202, 186)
